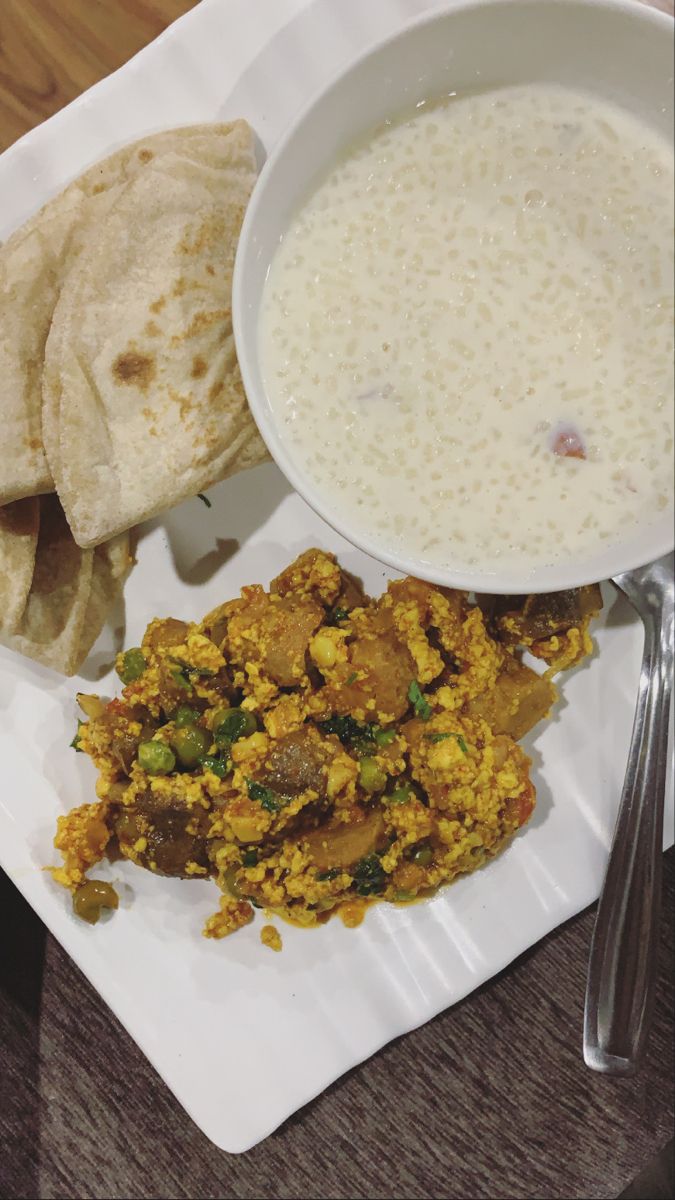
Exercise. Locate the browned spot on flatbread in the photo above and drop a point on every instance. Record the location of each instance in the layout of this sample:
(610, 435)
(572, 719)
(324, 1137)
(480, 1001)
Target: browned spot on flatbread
(204, 320)
(199, 367)
(145, 155)
(134, 368)
(210, 270)
(98, 188)
(152, 329)
(158, 305)
(208, 233)
(185, 404)
(180, 287)
(215, 389)
(150, 416)
(209, 438)
(32, 443)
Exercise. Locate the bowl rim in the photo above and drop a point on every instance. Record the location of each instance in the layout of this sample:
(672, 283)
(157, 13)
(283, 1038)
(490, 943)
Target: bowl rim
(572, 573)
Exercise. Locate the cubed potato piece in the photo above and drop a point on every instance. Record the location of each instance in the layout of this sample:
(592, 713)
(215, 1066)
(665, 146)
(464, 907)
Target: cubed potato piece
(274, 632)
(318, 574)
(344, 845)
(517, 701)
(300, 761)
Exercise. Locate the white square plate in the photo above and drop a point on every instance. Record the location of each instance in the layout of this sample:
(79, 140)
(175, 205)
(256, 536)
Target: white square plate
(244, 1037)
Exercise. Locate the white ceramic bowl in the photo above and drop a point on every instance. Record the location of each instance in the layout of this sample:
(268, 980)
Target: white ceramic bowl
(620, 50)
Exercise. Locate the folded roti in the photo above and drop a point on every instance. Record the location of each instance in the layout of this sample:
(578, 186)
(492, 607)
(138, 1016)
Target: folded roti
(34, 262)
(19, 525)
(143, 399)
(71, 592)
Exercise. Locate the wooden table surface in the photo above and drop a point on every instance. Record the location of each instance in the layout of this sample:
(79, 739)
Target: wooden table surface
(491, 1099)
(51, 50)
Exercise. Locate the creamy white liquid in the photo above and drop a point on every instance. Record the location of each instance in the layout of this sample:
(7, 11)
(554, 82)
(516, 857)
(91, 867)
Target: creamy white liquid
(468, 289)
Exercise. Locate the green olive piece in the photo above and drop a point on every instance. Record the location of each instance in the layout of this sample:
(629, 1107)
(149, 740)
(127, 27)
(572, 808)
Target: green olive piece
(237, 723)
(132, 665)
(156, 757)
(91, 897)
(190, 743)
(371, 777)
(185, 716)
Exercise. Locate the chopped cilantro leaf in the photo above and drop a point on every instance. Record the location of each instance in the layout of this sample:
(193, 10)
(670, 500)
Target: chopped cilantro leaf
(264, 795)
(327, 875)
(369, 876)
(443, 737)
(179, 676)
(76, 740)
(219, 766)
(352, 678)
(336, 615)
(348, 729)
(421, 706)
(354, 735)
(188, 670)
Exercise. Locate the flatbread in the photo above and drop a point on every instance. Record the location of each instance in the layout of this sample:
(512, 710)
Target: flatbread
(19, 525)
(54, 614)
(34, 262)
(142, 392)
(71, 592)
(111, 565)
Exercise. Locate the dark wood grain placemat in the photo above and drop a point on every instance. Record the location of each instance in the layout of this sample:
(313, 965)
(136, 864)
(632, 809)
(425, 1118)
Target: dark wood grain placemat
(490, 1099)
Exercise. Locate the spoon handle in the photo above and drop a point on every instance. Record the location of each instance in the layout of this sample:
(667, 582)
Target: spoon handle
(621, 970)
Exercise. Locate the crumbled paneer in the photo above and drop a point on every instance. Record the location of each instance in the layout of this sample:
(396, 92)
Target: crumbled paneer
(312, 750)
(269, 936)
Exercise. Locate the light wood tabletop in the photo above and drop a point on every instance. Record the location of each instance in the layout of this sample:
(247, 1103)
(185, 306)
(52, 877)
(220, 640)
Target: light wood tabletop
(51, 50)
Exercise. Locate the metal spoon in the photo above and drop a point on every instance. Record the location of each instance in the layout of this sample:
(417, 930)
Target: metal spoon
(621, 969)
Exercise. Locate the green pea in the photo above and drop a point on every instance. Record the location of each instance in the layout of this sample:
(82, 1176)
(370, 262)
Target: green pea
(156, 757)
(384, 737)
(249, 858)
(217, 766)
(132, 665)
(400, 795)
(91, 896)
(237, 723)
(185, 716)
(190, 743)
(423, 856)
(371, 777)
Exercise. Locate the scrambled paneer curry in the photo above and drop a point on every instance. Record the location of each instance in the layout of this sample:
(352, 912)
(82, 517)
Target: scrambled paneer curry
(313, 750)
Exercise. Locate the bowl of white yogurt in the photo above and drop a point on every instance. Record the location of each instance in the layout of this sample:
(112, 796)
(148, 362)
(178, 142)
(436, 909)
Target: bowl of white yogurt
(453, 296)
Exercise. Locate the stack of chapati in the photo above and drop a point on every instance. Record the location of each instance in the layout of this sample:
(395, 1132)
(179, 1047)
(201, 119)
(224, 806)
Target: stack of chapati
(121, 390)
